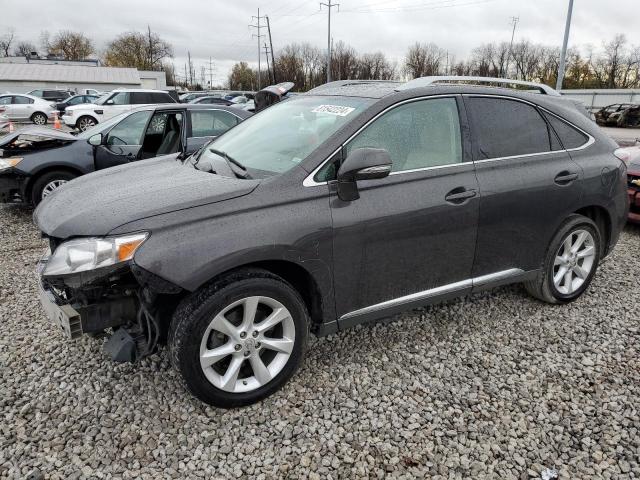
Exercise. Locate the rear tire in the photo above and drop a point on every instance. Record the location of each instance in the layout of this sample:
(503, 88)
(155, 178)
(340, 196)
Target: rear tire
(47, 183)
(39, 118)
(570, 262)
(229, 357)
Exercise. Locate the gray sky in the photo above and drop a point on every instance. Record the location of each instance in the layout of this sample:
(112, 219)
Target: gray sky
(220, 28)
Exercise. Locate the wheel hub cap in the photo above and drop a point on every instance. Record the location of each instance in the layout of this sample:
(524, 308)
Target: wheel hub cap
(574, 261)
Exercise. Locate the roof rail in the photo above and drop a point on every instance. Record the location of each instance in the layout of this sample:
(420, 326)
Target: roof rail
(428, 81)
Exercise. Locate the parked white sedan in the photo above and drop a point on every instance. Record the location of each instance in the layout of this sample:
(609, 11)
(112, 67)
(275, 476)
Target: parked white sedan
(24, 108)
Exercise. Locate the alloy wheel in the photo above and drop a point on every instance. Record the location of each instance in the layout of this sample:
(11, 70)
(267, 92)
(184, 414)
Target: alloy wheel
(247, 344)
(39, 119)
(574, 261)
(86, 123)
(51, 186)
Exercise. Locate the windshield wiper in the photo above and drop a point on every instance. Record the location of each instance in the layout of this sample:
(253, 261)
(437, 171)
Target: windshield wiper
(232, 161)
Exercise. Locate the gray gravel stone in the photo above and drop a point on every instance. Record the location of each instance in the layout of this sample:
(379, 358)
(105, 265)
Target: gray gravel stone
(492, 386)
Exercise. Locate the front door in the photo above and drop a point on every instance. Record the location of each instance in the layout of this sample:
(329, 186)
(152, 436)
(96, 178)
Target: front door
(411, 236)
(123, 142)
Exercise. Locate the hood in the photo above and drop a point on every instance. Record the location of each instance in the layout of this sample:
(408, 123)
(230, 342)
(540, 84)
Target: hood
(95, 204)
(36, 132)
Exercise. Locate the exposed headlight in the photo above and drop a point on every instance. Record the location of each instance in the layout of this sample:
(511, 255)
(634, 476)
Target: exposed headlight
(86, 254)
(6, 163)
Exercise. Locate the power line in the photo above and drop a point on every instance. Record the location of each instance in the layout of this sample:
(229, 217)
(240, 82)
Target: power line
(514, 21)
(329, 7)
(258, 36)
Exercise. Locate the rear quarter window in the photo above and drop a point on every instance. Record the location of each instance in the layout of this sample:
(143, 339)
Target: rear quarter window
(569, 136)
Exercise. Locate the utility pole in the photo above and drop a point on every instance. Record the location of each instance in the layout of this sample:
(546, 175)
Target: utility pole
(329, 7)
(273, 60)
(258, 36)
(210, 73)
(563, 55)
(514, 21)
(266, 54)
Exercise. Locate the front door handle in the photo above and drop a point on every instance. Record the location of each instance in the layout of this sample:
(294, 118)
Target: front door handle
(565, 178)
(459, 195)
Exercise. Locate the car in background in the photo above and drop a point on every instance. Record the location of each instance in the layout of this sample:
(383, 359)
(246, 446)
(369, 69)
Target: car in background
(619, 115)
(4, 121)
(20, 107)
(188, 97)
(113, 103)
(211, 100)
(75, 100)
(53, 95)
(35, 161)
(633, 181)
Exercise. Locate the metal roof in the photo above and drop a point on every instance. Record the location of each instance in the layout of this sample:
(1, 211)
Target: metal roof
(68, 74)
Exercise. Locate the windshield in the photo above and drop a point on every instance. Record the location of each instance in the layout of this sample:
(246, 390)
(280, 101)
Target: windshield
(102, 99)
(101, 127)
(282, 136)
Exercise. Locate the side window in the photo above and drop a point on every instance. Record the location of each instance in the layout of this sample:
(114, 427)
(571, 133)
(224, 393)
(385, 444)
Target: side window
(121, 98)
(419, 134)
(505, 128)
(17, 100)
(75, 101)
(211, 123)
(569, 136)
(158, 97)
(139, 98)
(5, 100)
(36, 93)
(130, 130)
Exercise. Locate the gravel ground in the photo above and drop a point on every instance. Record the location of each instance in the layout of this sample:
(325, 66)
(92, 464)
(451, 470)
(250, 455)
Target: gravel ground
(493, 386)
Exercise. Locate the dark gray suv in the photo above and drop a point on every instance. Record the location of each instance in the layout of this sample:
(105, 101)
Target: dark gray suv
(344, 205)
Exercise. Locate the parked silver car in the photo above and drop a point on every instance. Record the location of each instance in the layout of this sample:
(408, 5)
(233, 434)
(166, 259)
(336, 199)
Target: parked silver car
(24, 108)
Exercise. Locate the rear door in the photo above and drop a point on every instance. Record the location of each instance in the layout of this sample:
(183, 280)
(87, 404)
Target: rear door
(410, 236)
(528, 183)
(21, 108)
(123, 142)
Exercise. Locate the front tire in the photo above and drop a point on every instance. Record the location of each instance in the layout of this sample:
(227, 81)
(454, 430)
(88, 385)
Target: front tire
(239, 339)
(570, 263)
(39, 118)
(47, 183)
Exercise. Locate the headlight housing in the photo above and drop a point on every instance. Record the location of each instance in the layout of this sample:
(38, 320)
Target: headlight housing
(7, 163)
(86, 254)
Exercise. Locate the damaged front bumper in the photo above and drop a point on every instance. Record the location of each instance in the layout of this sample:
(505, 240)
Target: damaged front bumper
(12, 186)
(123, 298)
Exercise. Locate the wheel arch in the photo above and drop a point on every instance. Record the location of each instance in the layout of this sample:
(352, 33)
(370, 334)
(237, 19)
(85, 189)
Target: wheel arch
(38, 112)
(602, 219)
(301, 279)
(52, 168)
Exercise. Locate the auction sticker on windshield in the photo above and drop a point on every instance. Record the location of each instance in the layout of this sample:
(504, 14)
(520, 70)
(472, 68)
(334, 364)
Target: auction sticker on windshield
(333, 110)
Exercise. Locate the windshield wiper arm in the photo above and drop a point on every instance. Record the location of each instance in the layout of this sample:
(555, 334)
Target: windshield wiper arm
(229, 159)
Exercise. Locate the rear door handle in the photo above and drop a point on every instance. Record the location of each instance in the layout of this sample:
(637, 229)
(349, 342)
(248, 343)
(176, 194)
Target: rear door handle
(459, 195)
(565, 178)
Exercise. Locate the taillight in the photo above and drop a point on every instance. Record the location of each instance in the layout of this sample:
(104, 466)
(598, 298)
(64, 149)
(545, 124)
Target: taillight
(624, 155)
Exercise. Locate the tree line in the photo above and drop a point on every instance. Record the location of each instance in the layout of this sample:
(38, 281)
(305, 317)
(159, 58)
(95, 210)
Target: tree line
(615, 65)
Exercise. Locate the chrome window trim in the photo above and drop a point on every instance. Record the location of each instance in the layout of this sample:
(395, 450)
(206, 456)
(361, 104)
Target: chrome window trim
(310, 182)
(434, 292)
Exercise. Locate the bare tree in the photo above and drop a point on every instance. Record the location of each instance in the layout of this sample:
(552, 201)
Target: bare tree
(145, 51)
(375, 66)
(23, 49)
(344, 62)
(71, 45)
(423, 60)
(6, 40)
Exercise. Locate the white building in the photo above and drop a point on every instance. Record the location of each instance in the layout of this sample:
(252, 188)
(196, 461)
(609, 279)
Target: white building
(29, 75)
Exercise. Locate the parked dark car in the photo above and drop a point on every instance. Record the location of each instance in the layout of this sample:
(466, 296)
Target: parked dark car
(341, 206)
(212, 101)
(52, 95)
(35, 161)
(188, 97)
(75, 100)
(619, 115)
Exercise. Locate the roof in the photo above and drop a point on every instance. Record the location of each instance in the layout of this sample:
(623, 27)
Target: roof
(357, 88)
(68, 74)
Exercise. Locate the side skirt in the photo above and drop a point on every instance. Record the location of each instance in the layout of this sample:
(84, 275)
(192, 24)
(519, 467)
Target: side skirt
(433, 296)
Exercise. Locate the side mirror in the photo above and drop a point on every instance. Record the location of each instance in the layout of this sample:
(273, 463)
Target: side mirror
(362, 164)
(95, 140)
(109, 102)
